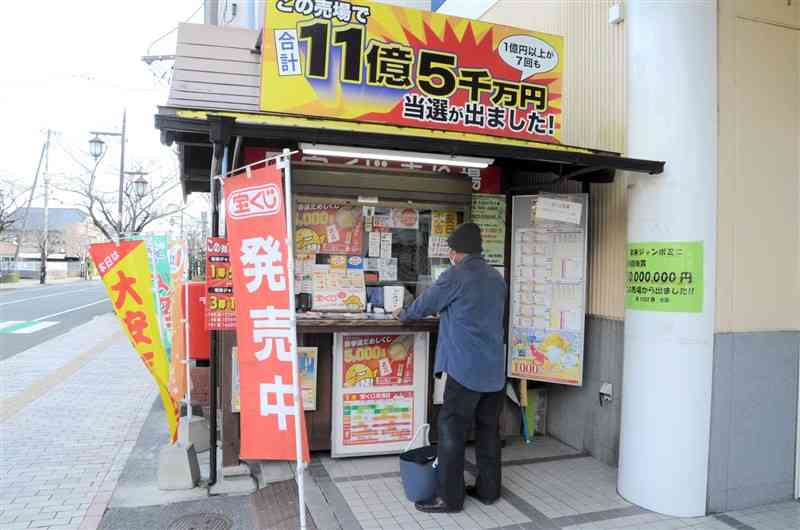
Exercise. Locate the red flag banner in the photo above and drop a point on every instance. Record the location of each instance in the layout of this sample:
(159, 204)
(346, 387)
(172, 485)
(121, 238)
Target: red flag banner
(257, 239)
(220, 302)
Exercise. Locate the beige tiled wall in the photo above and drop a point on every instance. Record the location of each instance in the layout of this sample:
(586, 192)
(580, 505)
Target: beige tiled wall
(594, 116)
(759, 150)
(758, 254)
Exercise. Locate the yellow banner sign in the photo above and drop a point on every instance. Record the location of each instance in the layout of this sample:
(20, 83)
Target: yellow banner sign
(125, 271)
(364, 61)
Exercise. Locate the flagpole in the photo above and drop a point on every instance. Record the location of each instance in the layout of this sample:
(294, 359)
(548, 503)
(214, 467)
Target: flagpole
(285, 163)
(187, 398)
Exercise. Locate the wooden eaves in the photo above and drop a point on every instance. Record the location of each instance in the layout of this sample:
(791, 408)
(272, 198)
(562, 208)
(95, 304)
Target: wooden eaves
(192, 134)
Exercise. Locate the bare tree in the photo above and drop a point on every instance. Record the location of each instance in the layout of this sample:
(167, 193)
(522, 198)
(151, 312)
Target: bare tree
(54, 241)
(137, 211)
(11, 199)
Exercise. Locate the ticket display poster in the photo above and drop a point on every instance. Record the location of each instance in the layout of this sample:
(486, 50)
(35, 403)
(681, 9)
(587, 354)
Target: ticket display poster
(380, 389)
(324, 228)
(548, 286)
(220, 303)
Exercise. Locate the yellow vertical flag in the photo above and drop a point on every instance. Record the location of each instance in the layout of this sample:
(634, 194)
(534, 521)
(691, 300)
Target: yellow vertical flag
(125, 270)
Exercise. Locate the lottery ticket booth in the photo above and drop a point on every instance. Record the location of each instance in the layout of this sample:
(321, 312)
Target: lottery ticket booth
(375, 194)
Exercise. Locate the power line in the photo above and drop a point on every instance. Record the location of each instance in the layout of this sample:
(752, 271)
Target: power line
(173, 29)
(72, 156)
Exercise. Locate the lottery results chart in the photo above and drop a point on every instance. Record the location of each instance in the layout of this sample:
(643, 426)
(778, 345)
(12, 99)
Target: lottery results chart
(380, 389)
(377, 418)
(548, 286)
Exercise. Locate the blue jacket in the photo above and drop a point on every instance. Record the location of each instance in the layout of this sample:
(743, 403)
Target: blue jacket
(470, 299)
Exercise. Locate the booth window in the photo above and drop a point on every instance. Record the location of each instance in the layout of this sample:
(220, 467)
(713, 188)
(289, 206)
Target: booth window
(388, 241)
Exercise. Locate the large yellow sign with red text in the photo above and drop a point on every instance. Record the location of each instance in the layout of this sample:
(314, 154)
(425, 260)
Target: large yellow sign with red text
(125, 270)
(364, 61)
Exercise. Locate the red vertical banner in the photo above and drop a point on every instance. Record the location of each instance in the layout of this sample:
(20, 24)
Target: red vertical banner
(257, 240)
(220, 302)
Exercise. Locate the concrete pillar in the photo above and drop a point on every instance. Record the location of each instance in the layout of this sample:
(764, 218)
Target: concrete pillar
(666, 388)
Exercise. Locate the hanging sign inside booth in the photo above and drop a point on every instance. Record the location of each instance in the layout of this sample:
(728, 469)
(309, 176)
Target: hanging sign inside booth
(255, 217)
(364, 61)
(484, 180)
(125, 271)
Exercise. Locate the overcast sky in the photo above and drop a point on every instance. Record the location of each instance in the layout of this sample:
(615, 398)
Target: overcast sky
(71, 66)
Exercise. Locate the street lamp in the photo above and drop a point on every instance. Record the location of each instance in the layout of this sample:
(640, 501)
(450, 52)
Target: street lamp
(96, 146)
(140, 186)
(96, 149)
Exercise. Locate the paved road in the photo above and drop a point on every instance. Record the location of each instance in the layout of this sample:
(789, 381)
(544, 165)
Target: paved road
(32, 315)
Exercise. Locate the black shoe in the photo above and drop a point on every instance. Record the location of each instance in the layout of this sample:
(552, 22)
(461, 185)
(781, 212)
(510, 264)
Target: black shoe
(472, 491)
(435, 505)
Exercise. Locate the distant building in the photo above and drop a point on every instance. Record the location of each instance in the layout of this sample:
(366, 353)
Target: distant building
(70, 231)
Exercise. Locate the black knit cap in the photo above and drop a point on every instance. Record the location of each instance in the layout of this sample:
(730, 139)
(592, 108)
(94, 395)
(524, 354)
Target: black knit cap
(466, 238)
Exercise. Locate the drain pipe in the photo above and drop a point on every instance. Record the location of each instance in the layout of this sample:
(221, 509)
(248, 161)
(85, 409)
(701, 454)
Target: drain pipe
(212, 365)
(220, 133)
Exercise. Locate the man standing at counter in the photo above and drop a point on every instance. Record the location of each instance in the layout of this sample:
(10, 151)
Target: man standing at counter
(470, 299)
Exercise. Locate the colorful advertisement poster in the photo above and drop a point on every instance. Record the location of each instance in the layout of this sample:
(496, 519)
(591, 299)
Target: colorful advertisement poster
(329, 228)
(489, 213)
(125, 271)
(179, 273)
(665, 277)
(378, 418)
(380, 391)
(405, 218)
(549, 355)
(220, 303)
(364, 61)
(378, 360)
(338, 290)
(255, 217)
(308, 376)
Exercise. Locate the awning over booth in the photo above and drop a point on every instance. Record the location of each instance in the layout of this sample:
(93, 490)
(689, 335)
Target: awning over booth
(191, 129)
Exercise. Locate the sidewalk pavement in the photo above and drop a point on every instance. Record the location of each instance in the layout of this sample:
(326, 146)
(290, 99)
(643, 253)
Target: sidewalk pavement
(33, 282)
(80, 428)
(137, 502)
(71, 411)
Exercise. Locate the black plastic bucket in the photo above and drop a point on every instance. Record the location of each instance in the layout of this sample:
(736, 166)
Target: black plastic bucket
(418, 473)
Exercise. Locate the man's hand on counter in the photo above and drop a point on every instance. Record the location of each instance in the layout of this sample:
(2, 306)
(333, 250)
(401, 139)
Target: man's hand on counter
(396, 313)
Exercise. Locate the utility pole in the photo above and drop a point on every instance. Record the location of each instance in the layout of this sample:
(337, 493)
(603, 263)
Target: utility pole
(96, 146)
(21, 232)
(121, 175)
(43, 260)
(211, 12)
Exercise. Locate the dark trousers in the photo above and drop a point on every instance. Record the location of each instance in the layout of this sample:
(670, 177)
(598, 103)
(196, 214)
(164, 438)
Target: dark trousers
(461, 407)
